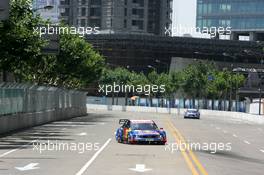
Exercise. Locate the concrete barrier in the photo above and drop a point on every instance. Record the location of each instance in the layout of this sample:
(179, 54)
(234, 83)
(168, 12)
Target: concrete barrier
(28, 105)
(14, 122)
(224, 114)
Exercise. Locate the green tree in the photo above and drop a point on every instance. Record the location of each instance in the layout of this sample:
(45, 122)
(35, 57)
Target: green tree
(165, 80)
(120, 76)
(19, 45)
(77, 64)
(194, 79)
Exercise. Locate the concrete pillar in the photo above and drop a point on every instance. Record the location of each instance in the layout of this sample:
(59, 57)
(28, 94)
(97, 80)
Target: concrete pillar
(252, 36)
(234, 36)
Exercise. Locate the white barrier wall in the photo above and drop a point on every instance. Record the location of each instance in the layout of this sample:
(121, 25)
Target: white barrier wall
(224, 114)
(14, 122)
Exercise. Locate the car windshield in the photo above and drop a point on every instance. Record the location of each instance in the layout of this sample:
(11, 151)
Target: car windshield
(192, 110)
(144, 126)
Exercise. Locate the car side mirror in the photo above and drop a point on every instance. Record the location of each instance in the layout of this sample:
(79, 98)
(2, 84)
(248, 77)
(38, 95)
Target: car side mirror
(161, 128)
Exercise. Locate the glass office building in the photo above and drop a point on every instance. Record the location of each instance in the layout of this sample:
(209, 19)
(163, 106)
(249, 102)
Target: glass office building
(240, 15)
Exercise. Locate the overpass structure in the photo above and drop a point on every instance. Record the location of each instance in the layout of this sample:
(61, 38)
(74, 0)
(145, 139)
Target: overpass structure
(139, 52)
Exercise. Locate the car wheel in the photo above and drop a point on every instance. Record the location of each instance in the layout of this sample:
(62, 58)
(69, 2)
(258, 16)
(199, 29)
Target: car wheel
(129, 141)
(162, 143)
(119, 140)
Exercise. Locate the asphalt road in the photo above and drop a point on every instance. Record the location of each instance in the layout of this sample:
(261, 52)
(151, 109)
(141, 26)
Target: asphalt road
(86, 145)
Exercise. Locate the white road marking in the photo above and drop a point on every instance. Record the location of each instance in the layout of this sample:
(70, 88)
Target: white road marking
(31, 166)
(140, 168)
(13, 150)
(79, 123)
(84, 168)
(247, 142)
(262, 150)
(62, 125)
(234, 135)
(9, 152)
(224, 131)
(82, 134)
(218, 128)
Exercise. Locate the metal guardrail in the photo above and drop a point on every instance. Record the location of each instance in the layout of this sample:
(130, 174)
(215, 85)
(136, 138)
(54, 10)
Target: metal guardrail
(25, 98)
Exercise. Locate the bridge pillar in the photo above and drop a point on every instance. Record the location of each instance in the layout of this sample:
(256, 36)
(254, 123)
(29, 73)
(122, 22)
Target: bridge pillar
(234, 36)
(253, 36)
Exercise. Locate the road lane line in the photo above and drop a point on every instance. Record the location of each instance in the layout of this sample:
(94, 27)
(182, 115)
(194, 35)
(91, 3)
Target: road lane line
(84, 168)
(247, 142)
(224, 131)
(13, 150)
(218, 128)
(234, 135)
(9, 152)
(262, 150)
(183, 152)
(193, 156)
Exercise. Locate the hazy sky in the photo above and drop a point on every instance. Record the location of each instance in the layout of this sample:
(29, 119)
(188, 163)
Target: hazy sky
(184, 14)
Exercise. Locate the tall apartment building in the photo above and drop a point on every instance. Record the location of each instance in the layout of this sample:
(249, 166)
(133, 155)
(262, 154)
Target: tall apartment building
(119, 16)
(245, 17)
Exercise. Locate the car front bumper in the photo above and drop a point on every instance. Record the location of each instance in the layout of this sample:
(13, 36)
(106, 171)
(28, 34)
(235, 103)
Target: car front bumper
(192, 116)
(148, 140)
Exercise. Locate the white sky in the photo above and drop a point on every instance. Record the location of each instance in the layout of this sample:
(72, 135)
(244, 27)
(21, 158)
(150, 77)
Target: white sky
(184, 15)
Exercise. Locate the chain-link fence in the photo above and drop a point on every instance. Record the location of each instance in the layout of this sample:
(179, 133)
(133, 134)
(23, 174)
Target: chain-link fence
(24, 98)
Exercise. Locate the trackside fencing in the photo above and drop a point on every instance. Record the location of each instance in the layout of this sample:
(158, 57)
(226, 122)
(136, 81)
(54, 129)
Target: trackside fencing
(51, 103)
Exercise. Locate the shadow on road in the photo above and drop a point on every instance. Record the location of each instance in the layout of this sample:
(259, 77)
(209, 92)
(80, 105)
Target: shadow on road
(58, 131)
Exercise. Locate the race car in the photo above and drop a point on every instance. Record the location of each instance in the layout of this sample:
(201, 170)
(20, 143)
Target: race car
(192, 113)
(140, 131)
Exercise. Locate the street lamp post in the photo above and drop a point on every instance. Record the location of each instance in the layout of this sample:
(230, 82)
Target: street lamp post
(260, 92)
(260, 100)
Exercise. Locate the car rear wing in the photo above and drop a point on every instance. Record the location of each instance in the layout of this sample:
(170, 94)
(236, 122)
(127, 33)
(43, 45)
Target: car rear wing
(122, 121)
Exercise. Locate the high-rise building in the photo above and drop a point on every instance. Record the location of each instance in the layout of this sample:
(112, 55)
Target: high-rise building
(50, 14)
(119, 16)
(245, 17)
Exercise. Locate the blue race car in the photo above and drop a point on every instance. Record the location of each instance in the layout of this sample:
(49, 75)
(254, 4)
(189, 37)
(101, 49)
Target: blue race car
(140, 131)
